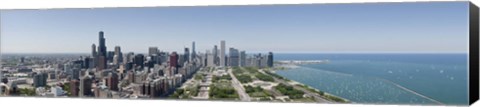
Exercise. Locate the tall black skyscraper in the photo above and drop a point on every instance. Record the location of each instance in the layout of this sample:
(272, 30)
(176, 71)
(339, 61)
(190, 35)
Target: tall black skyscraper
(270, 59)
(186, 56)
(102, 48)
(110, 55)
(139, 61)
(102, 52)
(86, 62)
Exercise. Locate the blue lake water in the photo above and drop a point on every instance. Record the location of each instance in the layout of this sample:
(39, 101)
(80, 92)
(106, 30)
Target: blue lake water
(385, 78)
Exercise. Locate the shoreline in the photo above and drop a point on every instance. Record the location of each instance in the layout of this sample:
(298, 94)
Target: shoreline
(299, 83)
(325, 95)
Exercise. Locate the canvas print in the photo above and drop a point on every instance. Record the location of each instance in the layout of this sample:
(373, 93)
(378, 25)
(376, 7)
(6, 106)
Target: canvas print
(360, 53)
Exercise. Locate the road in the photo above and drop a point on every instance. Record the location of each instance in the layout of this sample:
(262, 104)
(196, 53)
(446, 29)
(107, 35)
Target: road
(317, 97)
(204, 86)
(239, 87)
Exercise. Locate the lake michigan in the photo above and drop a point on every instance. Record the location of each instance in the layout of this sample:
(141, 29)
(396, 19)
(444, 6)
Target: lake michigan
(385, 78)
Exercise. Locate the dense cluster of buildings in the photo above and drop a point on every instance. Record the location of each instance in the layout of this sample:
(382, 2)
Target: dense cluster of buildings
(114, 74)
(236, 58)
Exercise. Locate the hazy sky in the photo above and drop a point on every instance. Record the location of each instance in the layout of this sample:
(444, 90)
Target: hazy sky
(391, 27)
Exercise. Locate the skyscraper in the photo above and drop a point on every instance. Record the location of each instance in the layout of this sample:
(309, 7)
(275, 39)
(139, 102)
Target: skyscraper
(40, 79)
(94, 50)
(194, 53)
(112, 81)
(102, 63)
(110, 55)
(129, 57)
(215, 54)
(67, 68)
(102, 52)
(75, 74)
(139, 60)
(210, 59)
(115, 60)
(119, 55)
(233, 57)
(102, 49)
(270, 59)
(152, 50)
(85, 86)
(186, 55)
(174, 59)
(243, 58)
(222, 53)
(74, 84)
(94, 55)
(86, 62)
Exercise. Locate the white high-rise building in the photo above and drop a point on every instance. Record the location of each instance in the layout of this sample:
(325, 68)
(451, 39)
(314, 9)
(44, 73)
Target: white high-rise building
(222, 53)
(210, 59)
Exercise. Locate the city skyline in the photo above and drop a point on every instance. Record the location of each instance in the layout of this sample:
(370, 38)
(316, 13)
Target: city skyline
(365, 53)
(280, 29)
(155, 75)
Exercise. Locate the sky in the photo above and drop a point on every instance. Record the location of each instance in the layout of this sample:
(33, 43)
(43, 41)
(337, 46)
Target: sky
(439, 27)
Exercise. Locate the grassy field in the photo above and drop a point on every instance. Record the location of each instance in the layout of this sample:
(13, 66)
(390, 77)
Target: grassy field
(222, 89)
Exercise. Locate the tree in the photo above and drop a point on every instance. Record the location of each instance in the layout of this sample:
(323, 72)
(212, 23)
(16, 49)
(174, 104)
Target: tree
(66, 87)
(27, 92)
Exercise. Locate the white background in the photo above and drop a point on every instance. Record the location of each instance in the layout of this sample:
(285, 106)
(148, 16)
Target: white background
(77, 102)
